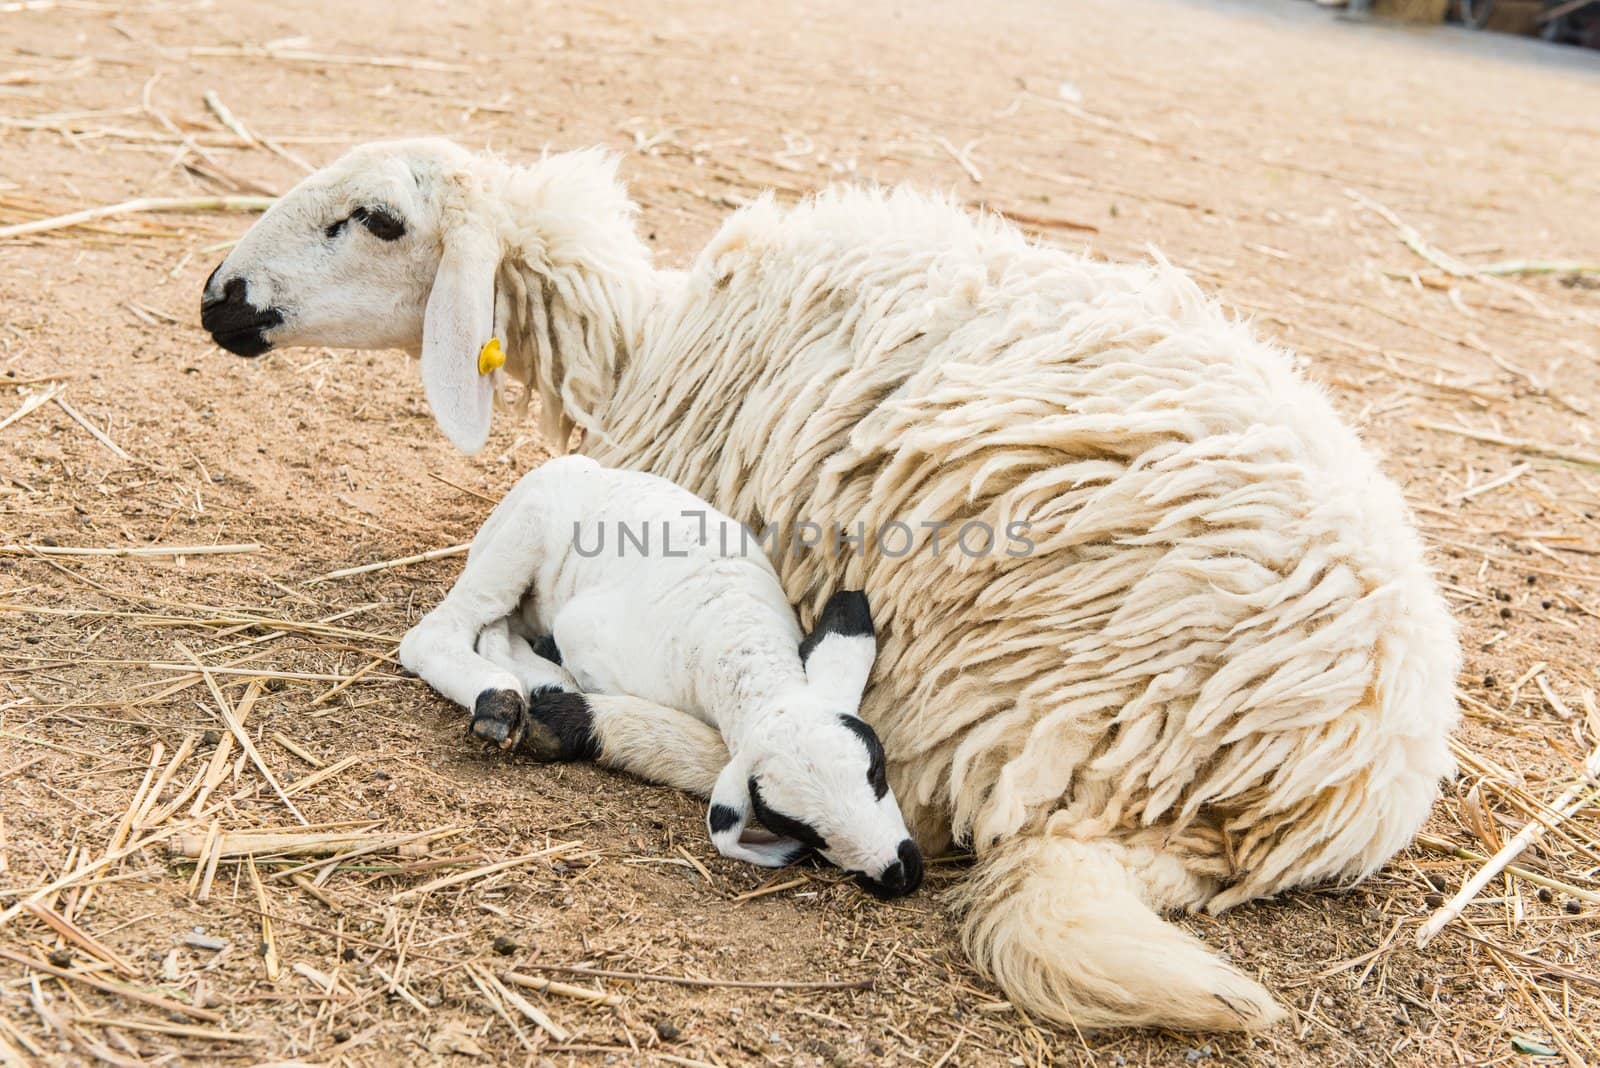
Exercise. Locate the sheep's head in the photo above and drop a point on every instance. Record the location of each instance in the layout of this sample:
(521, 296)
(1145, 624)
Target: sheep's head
(346, 258)
(812, 772)
(385, 248)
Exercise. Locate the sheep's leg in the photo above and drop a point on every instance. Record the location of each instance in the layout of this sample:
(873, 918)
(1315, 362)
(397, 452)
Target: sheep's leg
(443, 649)
(653, 742)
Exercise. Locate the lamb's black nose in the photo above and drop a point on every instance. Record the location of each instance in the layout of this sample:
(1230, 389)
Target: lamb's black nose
(235, 323)
(899, 878)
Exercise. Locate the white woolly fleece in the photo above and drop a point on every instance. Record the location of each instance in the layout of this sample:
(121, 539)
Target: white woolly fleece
(1225, 656)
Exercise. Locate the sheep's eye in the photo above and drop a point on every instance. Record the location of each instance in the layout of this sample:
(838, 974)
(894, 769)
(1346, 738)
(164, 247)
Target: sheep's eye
(382, 224)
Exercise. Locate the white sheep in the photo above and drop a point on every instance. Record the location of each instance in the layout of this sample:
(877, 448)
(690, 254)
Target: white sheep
(1221, 667)
(648, 592)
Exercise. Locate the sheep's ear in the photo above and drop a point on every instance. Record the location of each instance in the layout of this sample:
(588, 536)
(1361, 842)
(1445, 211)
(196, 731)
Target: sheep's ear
(728, 819)
(458, 322)
(839, 651)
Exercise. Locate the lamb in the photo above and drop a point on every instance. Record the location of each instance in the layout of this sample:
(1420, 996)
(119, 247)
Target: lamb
(701, 626)
(1220, 666)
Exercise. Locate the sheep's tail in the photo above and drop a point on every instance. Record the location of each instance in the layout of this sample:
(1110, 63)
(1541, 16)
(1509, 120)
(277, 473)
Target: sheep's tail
(1061, 927)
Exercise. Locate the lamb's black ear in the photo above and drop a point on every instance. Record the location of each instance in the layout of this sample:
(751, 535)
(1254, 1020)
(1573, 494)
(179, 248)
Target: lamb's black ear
(839, 651)
(728, 816)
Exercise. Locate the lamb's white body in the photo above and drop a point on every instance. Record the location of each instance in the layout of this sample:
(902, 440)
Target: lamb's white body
(650, 594)
(1224, 669)
(676, 622)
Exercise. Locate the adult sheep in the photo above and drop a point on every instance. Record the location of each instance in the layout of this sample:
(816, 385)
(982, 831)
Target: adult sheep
(1222, 670)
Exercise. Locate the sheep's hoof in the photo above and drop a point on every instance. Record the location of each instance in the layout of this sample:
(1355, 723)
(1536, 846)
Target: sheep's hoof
(499, 716)
(560, 726)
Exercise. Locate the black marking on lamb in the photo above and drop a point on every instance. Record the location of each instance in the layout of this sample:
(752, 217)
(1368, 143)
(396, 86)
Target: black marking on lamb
(846, 614)
(560, 726)
(545, 646)
(787, 826)
(899, 878)
(497, 716)
(876, 774)
(721, 818)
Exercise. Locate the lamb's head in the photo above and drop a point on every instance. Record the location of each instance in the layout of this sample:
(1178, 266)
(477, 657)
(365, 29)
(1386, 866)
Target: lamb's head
(812, 772)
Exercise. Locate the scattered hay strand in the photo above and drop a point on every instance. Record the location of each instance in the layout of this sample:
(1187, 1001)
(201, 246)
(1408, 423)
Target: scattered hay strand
(527, 1008)
(308, 843)
(1439, 845)
(1565, 806)
(399, 988)
(300, 786)
(296, 55)
(269, 943)
(218, 767)
(15, 549)
(254, 673)
(688, 980)
(384, 565)
(184, 750)
(763, 891)
(1493, 484)
(295, 748)
(114, 989)
(566, 990)
(81, 938)
(1412, 239)
(205, 869)
(369, 846)
(138, 206)
(488, 869)
(226, 712)
(963, 157)
(159, 1027)
(35, 401)
(295, 843)
(215, 105)
(98, 434)
(498, 1003)
(1512, 267)
(1532, 448)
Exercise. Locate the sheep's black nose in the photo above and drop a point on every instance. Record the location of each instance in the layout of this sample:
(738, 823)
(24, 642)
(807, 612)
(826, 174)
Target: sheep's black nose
(899, 878)
(235, 323)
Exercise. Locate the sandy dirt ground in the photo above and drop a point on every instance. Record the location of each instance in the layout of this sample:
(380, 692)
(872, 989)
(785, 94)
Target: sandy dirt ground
(1283, 156)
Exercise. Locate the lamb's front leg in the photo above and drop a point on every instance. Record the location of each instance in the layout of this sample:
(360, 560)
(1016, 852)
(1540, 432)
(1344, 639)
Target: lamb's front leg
(653, 742)
(443, 649)
(537, 665)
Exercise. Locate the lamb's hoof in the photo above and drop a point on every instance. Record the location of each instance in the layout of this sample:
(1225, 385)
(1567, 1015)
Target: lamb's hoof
(560, 726)
(499, 716)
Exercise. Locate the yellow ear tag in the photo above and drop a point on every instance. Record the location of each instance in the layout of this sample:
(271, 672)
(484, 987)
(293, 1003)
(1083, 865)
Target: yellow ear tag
(491, 357)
